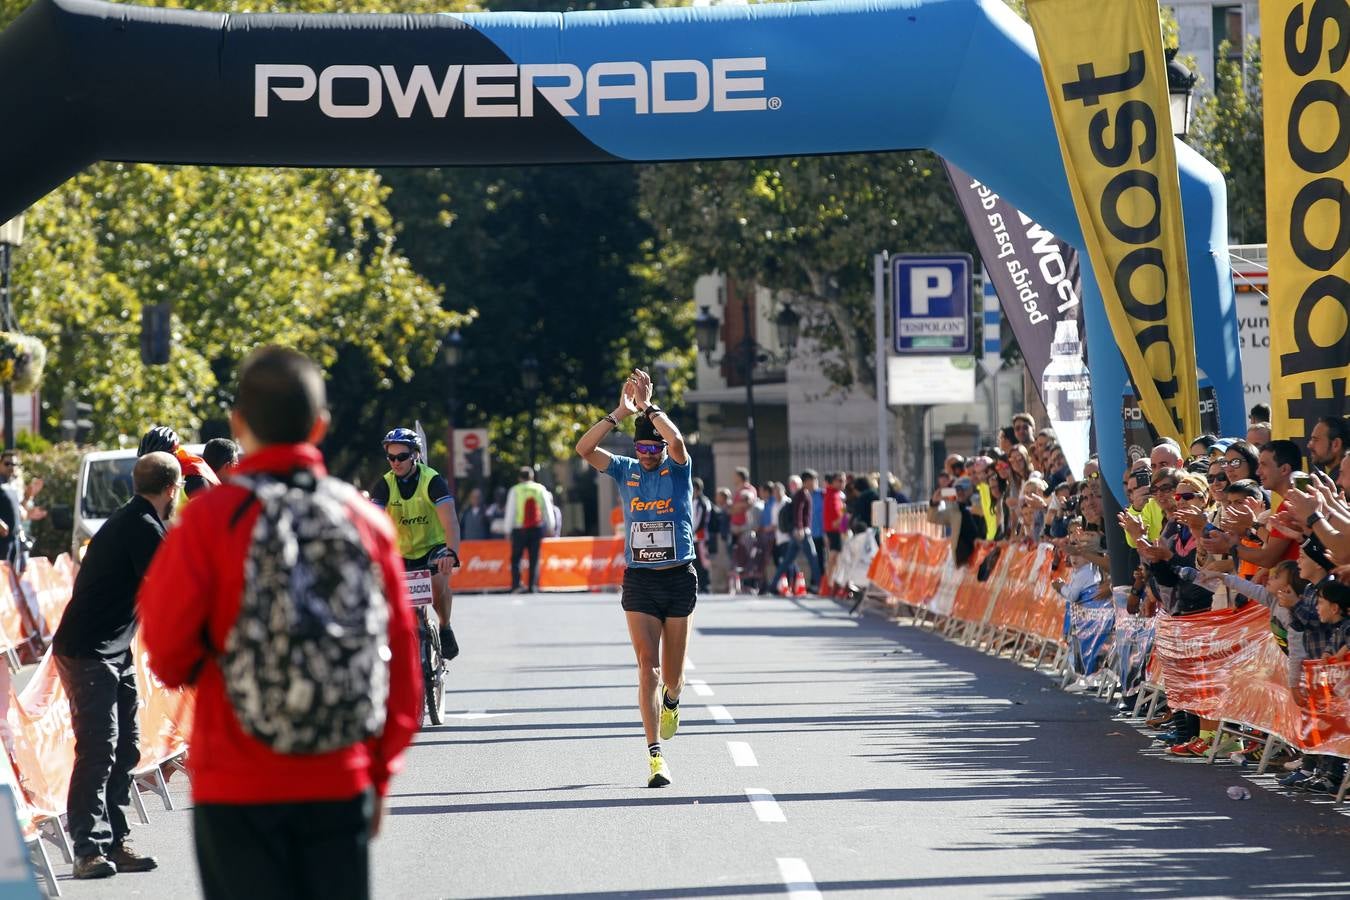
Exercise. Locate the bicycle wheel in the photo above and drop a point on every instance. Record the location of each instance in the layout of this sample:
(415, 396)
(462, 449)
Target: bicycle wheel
(433, 674)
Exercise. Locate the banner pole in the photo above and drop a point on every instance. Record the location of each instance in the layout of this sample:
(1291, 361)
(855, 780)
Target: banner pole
(883, 444)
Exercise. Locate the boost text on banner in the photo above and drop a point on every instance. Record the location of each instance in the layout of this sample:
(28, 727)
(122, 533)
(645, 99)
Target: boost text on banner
(1307, 94)
(1105, 75)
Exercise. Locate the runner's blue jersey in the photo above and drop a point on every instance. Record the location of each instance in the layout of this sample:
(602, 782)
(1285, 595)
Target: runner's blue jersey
(658, 513)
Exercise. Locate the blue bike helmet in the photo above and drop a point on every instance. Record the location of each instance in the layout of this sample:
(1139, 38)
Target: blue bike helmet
(402, 436)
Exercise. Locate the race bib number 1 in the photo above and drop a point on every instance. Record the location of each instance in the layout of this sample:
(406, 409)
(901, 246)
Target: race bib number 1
(652, 542)
(419, 586)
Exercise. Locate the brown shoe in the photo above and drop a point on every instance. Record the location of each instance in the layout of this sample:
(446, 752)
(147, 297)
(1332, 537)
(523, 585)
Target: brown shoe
(94, 866)
(128, 860)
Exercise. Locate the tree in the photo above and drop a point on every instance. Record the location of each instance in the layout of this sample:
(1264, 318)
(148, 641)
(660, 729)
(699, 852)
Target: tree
(807, 227)
(1229, 131)
(245, 257)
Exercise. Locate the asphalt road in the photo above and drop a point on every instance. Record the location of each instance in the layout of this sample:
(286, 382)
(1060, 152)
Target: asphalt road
(817, 753)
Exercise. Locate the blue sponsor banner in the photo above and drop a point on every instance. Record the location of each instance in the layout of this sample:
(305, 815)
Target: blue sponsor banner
(932, 304)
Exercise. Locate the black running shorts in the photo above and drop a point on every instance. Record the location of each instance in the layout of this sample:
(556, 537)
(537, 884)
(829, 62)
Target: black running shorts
(423, 561)
(835, 541)
(662, 593)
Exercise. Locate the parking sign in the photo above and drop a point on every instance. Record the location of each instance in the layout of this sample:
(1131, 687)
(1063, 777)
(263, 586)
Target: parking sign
(932, 303)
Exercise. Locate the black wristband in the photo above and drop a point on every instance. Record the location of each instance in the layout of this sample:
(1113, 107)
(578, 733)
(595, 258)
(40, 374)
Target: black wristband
(609, 417)
(653, 410)
(1314, 519)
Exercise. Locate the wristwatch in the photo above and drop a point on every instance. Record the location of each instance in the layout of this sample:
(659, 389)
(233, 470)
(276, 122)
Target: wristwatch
(1314, 519)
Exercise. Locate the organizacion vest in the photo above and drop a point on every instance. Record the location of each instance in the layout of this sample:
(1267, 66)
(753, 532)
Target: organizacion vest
(415, 520)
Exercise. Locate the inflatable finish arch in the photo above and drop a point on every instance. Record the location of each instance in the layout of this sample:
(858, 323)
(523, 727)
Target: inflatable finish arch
(115, 82)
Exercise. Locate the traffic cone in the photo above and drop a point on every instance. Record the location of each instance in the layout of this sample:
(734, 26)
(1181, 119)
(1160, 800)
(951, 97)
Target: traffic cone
(781, 589)
(799, 588)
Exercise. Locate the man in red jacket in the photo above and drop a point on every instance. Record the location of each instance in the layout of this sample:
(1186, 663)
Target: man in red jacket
(270, 824)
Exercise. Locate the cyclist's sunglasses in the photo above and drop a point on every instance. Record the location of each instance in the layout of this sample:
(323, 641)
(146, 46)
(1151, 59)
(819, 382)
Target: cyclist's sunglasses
(398, 457)
(650, 447)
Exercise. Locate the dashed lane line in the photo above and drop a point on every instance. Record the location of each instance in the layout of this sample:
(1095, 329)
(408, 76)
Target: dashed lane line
(742, 754)
(700, 687)
(720, 715)
(766, 808)
(797, 879)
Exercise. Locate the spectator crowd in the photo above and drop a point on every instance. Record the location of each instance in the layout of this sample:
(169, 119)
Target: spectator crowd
(785, 537)
(1219, 524)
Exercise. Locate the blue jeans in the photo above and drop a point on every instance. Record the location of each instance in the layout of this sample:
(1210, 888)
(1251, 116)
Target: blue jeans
(805, 546)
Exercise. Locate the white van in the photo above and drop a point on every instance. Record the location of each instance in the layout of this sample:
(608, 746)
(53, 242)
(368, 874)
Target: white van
(104, 483)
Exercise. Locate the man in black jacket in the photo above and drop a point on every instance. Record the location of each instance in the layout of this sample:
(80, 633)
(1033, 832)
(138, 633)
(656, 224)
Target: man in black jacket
(92, 652)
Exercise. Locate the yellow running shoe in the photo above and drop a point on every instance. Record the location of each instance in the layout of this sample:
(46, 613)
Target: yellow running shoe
(660, 776)
(670, 720)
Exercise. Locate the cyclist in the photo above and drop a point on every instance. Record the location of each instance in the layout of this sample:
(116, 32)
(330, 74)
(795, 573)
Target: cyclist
(418, 501)
(660, 586)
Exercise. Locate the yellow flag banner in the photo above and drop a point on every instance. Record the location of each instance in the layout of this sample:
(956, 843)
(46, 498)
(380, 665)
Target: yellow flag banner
(1106, 77)
(1307, 114)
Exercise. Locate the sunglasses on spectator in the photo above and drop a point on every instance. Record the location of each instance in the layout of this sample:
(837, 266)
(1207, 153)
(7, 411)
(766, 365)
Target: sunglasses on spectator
(1162, 488)
(398, 457)
(1185, 495)
(1219, 478)
(649, 447)
(1232, 463)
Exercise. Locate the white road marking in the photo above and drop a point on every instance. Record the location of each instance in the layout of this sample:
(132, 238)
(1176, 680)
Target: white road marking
(741, 754)
(720, 715)
(517, 602)
(701, 688)
(476, 714)
(766, 808)
(689, 665)
(797, 879)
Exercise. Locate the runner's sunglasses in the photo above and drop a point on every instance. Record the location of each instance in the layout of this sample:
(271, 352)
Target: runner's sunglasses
(649, 447)
(398, 457)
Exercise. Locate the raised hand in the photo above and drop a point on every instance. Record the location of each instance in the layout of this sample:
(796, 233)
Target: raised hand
(627, 401)
(642, 384)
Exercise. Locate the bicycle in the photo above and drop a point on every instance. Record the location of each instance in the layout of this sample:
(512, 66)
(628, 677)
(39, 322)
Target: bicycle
(420, 594)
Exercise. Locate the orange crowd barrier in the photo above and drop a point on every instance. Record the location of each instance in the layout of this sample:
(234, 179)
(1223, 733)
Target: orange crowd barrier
(44, 743)
(1204, 654)
(17, 626)
(1316, 720)
(916, 569)
(164, 716)
(566, 564)
(47, 587)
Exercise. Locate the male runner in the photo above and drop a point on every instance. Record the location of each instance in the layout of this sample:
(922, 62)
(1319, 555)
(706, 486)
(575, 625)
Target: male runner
(660, 586)
(418, 501)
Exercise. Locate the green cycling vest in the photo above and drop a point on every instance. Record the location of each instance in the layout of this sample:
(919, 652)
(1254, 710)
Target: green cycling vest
(415, 520)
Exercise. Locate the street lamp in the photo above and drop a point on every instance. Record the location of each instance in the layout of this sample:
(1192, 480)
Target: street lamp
(452, 352)
(744, 356)
(11, 236)
(1180, 93)
(529, 379)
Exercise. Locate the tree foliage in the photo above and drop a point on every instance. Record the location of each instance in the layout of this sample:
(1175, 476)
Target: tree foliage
(1229, 130)
(807, 227)
(244, 257)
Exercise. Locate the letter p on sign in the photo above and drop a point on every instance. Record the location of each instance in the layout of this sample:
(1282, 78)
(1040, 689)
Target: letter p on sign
(925, 283)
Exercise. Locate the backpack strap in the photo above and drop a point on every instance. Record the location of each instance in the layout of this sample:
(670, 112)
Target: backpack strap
(299, 477)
